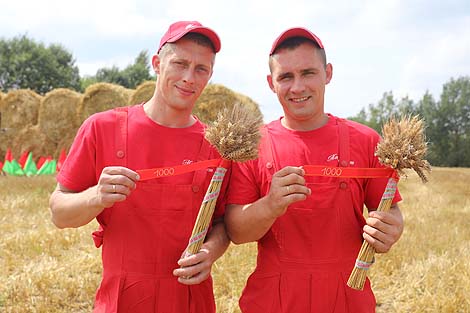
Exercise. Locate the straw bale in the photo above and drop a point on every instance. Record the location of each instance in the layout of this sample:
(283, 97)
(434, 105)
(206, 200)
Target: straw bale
(7, 137)
(2, 95)
(57, 113)
(101, 97)
(64, 143)
(20, 108)
(215, 98)
(143, 92)
(32, 139)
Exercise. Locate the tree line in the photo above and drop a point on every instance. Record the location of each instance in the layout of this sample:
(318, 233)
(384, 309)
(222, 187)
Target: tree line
(26, 63)
(447, 120)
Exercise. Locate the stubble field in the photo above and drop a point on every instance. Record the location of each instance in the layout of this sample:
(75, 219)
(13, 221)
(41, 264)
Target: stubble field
(43, 269)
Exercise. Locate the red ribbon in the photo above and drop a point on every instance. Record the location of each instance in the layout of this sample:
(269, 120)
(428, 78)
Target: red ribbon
(349, 172)
(181, 169)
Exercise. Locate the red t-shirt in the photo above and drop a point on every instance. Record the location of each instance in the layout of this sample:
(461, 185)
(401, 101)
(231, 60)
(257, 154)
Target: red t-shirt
(250, 180)
(149, 145)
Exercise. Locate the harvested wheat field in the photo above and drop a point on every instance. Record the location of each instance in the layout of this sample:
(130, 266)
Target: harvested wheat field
(44, 269)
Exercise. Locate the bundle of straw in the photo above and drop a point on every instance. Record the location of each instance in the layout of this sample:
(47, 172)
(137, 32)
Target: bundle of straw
(403, 147)
(235, 134)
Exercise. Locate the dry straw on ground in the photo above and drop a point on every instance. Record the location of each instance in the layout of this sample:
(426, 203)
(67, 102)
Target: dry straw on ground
(101, 97)
(57, 113)
(403, 147)
(44, 269)
(142, 93)
(215, 97)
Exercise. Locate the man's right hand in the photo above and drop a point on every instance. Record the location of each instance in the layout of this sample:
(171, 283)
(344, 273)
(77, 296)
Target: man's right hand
(287, 186)
(115, 184)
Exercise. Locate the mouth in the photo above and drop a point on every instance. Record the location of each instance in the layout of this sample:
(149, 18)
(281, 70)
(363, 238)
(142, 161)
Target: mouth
(185, 91)
(299, 100)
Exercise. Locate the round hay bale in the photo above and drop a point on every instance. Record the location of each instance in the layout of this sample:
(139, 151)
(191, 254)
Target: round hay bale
(143, 92)
(215, 98)
(20, 109)
(32, 139)
(64, 143)
(7, 137)
(101, 97)
(2, 95)
(57, 113)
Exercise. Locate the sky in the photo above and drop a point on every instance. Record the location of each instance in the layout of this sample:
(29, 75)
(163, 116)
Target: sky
(407, 47)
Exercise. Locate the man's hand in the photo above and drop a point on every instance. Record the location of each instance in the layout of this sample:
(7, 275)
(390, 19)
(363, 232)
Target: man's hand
(114, 185)
(383, 229)
(287, 187)
(195, 268)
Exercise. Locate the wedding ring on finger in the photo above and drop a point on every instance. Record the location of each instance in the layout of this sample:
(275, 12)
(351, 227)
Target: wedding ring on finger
(288, 189)
(114, 188)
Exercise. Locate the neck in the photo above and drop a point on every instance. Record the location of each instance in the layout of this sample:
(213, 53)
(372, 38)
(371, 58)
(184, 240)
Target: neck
(166, 116)
(304, 125)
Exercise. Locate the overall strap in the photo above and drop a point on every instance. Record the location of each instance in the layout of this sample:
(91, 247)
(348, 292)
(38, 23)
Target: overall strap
(267, 157)
(343, 141)
(120, 138)
(344, 151)
(200, 175)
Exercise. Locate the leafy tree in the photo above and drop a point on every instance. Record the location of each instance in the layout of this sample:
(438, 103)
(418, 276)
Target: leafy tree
(454, 123)
(378, 114)
(25, 63)
(130, 77)
(447, 121)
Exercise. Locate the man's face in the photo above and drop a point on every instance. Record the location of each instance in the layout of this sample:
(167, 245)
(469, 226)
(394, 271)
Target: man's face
(298, 77)
(183, 73)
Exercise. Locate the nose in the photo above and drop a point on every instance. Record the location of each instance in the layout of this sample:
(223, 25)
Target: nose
(297, 86)
(188, 76)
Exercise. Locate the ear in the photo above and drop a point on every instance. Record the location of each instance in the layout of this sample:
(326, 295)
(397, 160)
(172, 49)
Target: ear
(329, 72)
(156, 64)
(270, 82)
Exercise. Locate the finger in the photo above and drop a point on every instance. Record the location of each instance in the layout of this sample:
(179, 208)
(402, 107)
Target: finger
(296, 188)
(119, 189)
(289, 170)
(193, 259)
(194, 279)
(379, 246)
(120, 170)
(383, 238)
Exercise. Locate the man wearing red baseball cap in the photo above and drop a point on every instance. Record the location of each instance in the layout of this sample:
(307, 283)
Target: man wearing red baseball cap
(145, 225)
(309, 229)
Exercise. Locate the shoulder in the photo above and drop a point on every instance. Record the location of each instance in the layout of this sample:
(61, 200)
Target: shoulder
(360, 130)
(108, 117)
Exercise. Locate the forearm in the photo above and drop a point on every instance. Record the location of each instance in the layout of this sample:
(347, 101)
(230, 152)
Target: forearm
(247, 223)
(217, 240)
(74, 209)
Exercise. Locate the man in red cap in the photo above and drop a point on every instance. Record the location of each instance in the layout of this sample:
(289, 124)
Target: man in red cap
(309, 229)
(145, 225)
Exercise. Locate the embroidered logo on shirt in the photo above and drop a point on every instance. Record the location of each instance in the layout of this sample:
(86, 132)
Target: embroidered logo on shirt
(332, 157)
(187, 162)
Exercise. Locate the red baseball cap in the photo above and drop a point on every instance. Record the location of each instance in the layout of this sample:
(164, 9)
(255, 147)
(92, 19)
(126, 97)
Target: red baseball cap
(296, 32)
(181, 28)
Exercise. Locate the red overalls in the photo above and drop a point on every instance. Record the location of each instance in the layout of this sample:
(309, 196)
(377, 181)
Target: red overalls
(304, 261)
(143, 239)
